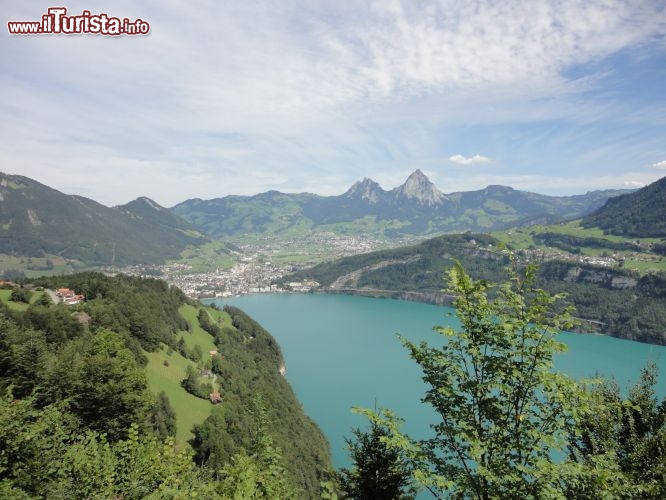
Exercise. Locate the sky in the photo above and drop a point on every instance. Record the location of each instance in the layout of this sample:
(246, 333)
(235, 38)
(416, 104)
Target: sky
(240, 97)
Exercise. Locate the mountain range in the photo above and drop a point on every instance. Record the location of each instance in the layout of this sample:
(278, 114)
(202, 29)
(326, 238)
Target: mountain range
(417, 207)
(36, 220)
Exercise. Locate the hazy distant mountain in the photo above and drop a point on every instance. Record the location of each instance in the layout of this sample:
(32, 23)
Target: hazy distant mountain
(36, 220)
(366, 190)
(416, 207)
(641, 214)
(418, 188)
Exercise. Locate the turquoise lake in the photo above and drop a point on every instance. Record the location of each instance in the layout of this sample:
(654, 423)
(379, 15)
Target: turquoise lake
(342, 351)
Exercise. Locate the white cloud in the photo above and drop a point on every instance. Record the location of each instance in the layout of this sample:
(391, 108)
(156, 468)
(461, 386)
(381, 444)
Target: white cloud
(661, 165)
(633, 184)
(472, 160)
(295, 89)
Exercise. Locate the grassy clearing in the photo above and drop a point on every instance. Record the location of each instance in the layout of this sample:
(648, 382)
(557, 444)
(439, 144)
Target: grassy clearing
(166, 377)
(220, 315)
(15, 306)
(189, 409)
(39, 266)
(19, 306)
(210, 256)
(196, 335)
(642, 261)
(645, 266)
(518, 238)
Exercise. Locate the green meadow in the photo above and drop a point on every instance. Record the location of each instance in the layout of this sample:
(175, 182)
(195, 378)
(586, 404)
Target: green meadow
(164, 372)
(5, 295)
(166, 369)
(643, 261)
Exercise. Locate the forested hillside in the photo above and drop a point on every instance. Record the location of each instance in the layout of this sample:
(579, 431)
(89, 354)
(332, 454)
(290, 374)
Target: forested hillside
(641, 214)
(37, 221)
(77, 408)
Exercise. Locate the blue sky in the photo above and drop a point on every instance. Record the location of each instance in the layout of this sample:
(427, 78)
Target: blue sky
(239, 97)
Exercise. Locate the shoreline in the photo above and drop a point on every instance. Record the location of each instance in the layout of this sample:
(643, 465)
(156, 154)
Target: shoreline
(432, 298)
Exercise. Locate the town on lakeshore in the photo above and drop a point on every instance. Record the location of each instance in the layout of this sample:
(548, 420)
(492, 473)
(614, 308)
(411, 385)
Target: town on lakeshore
(258, 265)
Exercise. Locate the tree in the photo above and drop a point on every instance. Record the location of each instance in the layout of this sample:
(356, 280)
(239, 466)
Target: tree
(503, 413)
(45, 300)
(259, 472)
(23, 355)
(379, 471)
(32, 443)
(45, 455)
(162, 417)
(111, 389)
(630, 432)
(20, 295)
(197, 353)
(192, 383)
(212, 443)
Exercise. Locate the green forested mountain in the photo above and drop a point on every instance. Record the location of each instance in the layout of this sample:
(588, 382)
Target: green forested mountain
(416, 207)
(36, 220)
(76, 379)
(641, 214)
(619, 302)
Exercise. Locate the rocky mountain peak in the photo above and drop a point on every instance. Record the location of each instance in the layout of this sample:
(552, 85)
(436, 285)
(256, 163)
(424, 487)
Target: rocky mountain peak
(367, 190)
(419, 188)
(141, 203)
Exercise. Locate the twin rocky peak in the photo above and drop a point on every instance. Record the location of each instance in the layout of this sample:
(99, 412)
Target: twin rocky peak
(417, 188)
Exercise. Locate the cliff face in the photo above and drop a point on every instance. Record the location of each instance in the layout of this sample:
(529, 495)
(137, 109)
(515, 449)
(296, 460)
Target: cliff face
(606, 277)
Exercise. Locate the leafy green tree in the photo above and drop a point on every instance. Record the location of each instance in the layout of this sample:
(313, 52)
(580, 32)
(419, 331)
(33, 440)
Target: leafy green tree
(192, 383)
(32, 444)
(207, 322)
(630, 431)
(20, 295)
(162, 417)
(45, 300)
(23, 355)
(43, 455)
(379, 471)
(56, 322)
(212, 442)
(181, 347)
(502, 412)
(137, 467)
(197, 353)
(61, 372)
(258, 472)
(111, 389)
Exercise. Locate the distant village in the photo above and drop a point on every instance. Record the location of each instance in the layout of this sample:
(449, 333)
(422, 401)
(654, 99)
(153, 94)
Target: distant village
(255, 271)
(246, 277)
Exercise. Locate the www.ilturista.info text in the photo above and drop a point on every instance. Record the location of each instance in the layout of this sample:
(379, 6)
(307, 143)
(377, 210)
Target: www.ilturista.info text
(56, 21)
